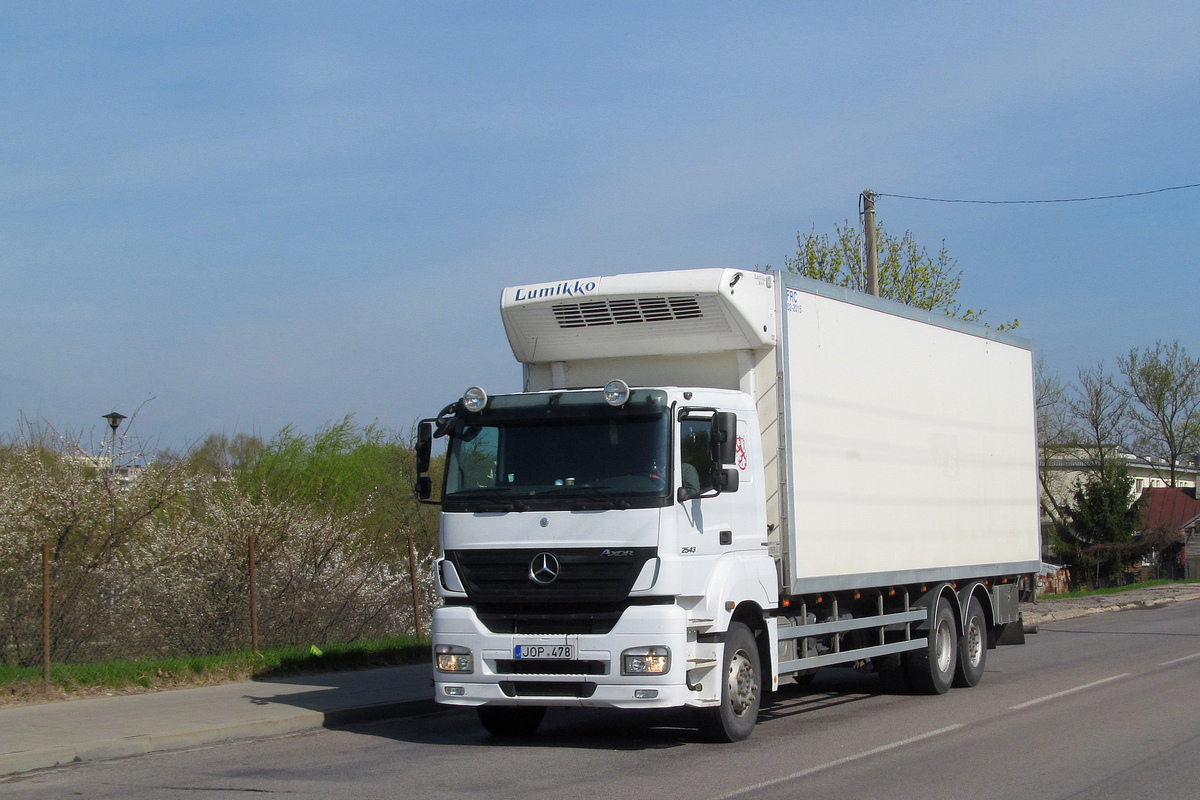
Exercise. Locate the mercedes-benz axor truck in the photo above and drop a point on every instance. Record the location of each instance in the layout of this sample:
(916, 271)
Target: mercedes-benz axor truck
(716, 480)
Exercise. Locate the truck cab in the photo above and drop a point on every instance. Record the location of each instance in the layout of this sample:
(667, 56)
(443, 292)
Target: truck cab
(594, 544)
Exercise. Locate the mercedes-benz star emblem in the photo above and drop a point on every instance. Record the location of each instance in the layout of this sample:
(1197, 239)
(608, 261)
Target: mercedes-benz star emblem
(543, 570)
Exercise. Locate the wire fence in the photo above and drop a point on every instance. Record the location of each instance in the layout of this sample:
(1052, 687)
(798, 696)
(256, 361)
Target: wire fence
(96, 565)
(62, 608)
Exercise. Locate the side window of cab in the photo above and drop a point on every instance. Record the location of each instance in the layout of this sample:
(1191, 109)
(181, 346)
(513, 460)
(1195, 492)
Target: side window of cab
(473, 459)
(696, 455)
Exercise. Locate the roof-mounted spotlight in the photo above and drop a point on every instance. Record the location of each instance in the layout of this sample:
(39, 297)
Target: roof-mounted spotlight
(474, 399)
(616, 392)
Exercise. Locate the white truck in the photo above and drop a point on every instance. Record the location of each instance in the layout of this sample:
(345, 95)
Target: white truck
(717, 479)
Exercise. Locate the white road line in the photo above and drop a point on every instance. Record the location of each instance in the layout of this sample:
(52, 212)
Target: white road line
(1066, 692)
(848, 759)
(1180, 660)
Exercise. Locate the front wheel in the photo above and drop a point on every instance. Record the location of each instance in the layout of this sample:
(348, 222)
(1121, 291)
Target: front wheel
(741, 691)
(511, 720)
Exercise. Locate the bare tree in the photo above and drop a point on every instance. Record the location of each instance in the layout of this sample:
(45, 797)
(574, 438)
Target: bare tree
(1163, 384)
(1056, 440)
(1100, 414)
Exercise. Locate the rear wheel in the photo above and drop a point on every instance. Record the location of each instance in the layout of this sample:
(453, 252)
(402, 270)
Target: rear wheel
(972, 647)
(741, 690)
(931, 669)
(511, 720)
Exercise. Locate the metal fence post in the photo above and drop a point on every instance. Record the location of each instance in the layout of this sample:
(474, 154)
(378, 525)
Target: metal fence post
(253, 600)
(412, 571)
(45, 615)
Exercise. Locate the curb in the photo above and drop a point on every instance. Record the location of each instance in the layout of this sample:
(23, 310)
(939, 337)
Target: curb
(26, 761)
(1041, 617)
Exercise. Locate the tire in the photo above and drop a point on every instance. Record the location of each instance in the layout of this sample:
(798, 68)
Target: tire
(741, 691)
(972, 647)
(931, 669)
(511, 720)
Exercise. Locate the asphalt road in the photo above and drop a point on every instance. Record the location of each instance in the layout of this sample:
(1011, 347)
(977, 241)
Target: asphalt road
(1105, 706)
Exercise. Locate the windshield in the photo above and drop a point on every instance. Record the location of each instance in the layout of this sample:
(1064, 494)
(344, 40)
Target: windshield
(575, 463)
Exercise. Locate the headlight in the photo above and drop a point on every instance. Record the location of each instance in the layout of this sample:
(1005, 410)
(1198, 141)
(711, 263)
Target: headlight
(646, 661)
(474, 399)
(452, 658)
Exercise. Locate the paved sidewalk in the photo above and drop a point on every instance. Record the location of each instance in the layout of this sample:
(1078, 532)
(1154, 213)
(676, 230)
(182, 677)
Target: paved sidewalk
(48, 734)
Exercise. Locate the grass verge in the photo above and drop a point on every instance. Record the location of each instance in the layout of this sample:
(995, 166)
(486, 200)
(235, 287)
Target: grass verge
(1115, 590)
(24, 684)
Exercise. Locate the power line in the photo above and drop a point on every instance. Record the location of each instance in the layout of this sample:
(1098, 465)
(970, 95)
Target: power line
(1029, 202)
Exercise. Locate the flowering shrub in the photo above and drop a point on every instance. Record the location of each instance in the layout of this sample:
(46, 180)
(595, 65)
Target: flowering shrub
(157, 564)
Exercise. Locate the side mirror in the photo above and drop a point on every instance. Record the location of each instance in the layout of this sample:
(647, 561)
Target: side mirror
(424, 446)
(727, 479)
(424, 451)
(724, 437)
(423, 487)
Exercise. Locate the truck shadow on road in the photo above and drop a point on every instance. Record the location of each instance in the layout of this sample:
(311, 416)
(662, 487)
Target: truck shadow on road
(616, 730)
(571, 728)
(822, 693)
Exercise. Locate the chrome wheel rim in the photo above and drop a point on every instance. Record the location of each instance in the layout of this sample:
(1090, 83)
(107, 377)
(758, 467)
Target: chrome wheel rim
(742, 687)
(974, 643)
(943, 647)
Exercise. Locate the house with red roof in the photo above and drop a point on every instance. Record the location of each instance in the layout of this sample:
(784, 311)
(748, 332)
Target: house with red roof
(1174, 515)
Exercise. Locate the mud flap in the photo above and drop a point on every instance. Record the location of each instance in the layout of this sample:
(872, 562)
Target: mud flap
(1008, 633)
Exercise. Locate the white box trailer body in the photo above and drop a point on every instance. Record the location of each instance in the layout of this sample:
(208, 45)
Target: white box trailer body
(884, 495)
(908, 450)
(910, 447)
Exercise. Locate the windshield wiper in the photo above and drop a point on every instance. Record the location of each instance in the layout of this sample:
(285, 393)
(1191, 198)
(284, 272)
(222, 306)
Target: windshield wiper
(595, 493)
(491, 495)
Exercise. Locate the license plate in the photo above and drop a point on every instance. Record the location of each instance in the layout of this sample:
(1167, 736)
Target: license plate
(563, 652)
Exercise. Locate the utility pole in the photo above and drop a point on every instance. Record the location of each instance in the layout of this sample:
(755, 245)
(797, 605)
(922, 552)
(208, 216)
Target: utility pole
(868, 214)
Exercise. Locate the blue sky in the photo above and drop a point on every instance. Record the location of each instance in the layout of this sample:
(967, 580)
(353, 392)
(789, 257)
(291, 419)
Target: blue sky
(261, 214)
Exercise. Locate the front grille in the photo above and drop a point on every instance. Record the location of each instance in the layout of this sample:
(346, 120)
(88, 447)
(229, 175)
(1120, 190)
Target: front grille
(624, 312)
(533, 666)
(547, 689)
(505, 619)
(585, 575)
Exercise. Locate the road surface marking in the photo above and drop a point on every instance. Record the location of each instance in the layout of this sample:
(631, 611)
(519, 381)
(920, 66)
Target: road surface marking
(839, 762)
(1066, 692)
(1180, 660)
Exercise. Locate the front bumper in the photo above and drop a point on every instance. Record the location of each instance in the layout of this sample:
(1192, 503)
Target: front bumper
(593, 678)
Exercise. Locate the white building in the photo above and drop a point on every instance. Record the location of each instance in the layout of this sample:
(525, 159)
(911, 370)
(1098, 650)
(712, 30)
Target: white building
(1062, 474)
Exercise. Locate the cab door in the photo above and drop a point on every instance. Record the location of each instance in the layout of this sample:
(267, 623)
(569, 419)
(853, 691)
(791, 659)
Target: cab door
(705, 522)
